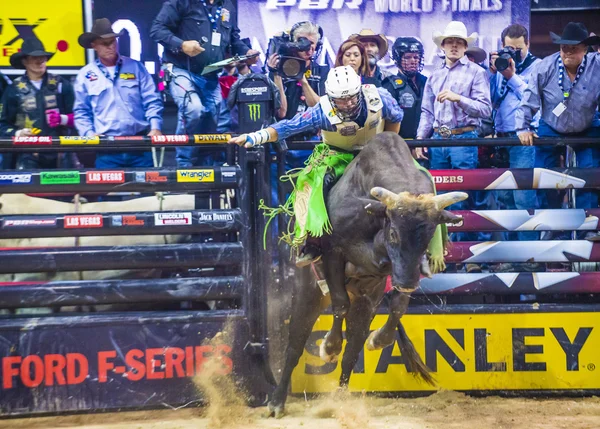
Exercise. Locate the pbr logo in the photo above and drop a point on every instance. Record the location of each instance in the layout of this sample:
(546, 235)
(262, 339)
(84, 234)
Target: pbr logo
(254, 110)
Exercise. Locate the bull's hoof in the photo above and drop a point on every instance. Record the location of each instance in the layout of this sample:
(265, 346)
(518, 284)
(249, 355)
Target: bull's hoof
(329, 351)
(377, 342)
(277, 411)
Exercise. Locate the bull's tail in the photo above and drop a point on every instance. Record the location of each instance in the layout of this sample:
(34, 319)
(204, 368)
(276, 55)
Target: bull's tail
(415, 363)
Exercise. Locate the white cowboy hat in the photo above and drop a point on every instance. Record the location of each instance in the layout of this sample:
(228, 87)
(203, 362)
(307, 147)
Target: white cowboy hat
(454, 29)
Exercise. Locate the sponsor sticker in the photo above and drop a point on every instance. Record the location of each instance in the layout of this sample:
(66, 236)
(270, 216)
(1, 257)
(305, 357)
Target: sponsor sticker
(155, 176)
(170, 139)
(93, 177)
(23, 223)
(163, 219)
(46, 140)
(214, 217)
(15, 179)
(228, 175)
(84, 221)
(195, 175)
(60, 178)
(68, 140)
(126, 220)
(140, 176)
(211, 138)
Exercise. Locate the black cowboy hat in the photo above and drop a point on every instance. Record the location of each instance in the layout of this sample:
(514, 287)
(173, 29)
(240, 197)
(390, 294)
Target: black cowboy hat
(102, 29)
(29, 48)
(574, 33)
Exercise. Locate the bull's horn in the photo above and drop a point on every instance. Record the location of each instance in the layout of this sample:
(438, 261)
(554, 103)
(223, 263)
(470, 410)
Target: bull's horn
(386, 197)
(445, 200)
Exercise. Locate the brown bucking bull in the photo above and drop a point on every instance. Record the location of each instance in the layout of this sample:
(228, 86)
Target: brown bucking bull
(372, 238)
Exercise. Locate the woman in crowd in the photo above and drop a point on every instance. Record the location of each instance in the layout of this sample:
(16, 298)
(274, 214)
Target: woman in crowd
(352, 53)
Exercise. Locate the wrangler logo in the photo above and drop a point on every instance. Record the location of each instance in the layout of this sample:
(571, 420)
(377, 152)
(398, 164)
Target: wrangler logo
(195, 175)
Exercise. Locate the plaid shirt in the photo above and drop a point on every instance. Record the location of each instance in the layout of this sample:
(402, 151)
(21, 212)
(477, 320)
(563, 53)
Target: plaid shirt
(464, 78)
(314, 119)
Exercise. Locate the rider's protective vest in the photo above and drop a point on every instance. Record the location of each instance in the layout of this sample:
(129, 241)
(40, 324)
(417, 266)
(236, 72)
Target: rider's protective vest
(348, 135)
(33, 103)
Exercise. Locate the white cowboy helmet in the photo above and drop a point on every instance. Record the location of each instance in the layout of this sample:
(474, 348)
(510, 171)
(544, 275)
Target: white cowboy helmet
(454, 29)
(343, 83)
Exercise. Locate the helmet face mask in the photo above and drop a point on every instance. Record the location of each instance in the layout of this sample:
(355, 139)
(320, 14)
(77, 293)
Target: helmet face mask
(348, 108)
(409, 55)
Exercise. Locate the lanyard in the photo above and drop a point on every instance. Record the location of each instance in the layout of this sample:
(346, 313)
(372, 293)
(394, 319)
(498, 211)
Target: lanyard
(213, 19)
(104, 70)
(561, 76)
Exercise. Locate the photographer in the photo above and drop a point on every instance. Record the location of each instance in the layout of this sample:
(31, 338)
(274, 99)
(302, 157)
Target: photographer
(303, 91)
(196, 34)
(511, 69)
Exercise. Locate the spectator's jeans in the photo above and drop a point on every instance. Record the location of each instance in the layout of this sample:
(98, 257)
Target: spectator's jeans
(549, 157)
(461, 158)
(124, 159)
(520, 157)
(199, 102)
(30, 161)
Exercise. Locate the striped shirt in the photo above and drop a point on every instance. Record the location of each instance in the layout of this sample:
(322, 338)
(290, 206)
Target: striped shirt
(464, 78)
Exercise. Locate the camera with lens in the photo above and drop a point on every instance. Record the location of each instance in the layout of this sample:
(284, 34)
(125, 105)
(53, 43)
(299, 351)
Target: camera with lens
(290, 65)
(504, 56)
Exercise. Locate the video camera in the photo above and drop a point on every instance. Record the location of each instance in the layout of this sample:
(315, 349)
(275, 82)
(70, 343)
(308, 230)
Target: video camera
(504, 56)
(290, 65)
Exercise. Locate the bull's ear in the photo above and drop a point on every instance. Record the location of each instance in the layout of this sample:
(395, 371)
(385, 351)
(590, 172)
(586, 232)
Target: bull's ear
(373, 207)
(448, 217)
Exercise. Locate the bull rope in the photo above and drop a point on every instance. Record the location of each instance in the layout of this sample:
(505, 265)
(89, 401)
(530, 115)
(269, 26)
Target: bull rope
(158, 162)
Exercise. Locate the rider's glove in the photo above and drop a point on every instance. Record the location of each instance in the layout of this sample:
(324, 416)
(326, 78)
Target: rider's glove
(257, 138)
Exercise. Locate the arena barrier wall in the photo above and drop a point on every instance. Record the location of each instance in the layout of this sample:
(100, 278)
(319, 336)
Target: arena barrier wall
(508, 333)
(147, 339)
(104, 343)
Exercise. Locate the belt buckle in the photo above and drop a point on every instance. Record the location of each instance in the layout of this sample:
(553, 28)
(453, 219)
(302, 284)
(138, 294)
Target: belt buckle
(445, 132)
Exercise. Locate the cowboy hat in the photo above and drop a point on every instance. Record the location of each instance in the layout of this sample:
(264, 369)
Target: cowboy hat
(574, 33)
(478, 54)
(454, 29)
(366, 34)
(102, 29)
(29, 48)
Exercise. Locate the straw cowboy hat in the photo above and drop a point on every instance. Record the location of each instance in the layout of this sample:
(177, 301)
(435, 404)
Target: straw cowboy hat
(454, 29)
(574, 34)
(102, 29)
(366, 34)
(29, 48)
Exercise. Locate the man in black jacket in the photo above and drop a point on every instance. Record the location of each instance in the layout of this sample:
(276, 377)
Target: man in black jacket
(196, 33)
(37, 103)
(407, 86)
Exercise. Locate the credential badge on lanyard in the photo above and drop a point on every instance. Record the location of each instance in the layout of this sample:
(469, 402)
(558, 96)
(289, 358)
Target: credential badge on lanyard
(562, 106)
(216, 36)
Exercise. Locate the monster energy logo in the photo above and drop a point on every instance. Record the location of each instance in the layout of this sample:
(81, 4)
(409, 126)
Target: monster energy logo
(254, 110)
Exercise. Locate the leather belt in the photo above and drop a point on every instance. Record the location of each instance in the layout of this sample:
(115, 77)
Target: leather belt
(447, 132)
(507, 134)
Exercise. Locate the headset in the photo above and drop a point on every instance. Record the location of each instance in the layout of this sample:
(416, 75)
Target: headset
(319, 46)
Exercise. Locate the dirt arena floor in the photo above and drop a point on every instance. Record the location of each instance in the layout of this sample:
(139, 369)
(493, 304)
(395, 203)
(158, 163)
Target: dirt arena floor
(442, 410)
